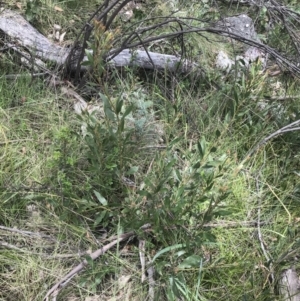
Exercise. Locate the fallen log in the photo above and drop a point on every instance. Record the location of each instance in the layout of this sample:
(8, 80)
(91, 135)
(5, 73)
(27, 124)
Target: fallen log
(22, 34)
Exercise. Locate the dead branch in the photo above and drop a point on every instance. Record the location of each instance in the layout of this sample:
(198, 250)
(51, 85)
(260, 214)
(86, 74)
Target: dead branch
(66, 279)
(23, 232)
(294, 126)
(151, 281)
(48, 256)
(142, 252)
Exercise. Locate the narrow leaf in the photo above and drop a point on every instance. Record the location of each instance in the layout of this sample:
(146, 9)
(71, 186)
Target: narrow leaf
(167, 249)
(132, 170)
(128, 111)
(109, 113)
(100, 198)
(190, 262)
(119, 105)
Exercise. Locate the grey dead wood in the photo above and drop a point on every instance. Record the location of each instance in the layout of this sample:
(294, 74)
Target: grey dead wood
(21, 34)
(25, 37)
(289, 285)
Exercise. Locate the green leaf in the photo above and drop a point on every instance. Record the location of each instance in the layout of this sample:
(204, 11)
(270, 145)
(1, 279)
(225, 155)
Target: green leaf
(100, 198)
(128, 111)
(208, 236)
(132, 170)
(236, 97)
(105, 100)
(190, 262)
(149, 183)
(144, 193)
(201, 147)
(107, 108)
(99, 218)
(174, 141)
(202, 199)
(89, 56)
(29, 16)
(213, 149)
(197, 165)
(119, 105)
(168, 249)
(180, 191)
(86, 63)
(109, 113)
(173, 293)
(211, 184)
(121, 125)
(178, 175)
(220, 213)
(160, 186)
(232, 107)
(180, 253)
(227, 118)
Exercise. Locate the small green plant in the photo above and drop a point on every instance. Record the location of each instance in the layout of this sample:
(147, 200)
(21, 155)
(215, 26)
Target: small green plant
(109, 143)
(184, 191)
(33, 10)
(102, 41)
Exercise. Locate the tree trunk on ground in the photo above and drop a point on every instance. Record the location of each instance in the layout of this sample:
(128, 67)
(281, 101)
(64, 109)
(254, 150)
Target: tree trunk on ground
(21, 35)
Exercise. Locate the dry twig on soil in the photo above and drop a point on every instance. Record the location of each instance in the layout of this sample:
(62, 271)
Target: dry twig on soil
(53, 292)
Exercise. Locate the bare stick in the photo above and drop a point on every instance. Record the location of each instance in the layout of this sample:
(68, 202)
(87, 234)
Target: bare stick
(55, 256)
(59, 285)
(23, 232)
(142, 258)
(151, 281)
(288, 128)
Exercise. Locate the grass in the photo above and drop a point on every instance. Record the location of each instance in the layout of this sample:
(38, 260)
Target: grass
(200, 192)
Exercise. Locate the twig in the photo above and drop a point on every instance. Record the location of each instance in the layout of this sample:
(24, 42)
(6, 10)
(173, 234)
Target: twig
(151, 281)
(23, 232)
(278, 57)
(15, 76)
(59, 285)
(142, 258)
(288, 128)
(56, 256)
(115, 13)
(30, 58)
(15, 141)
